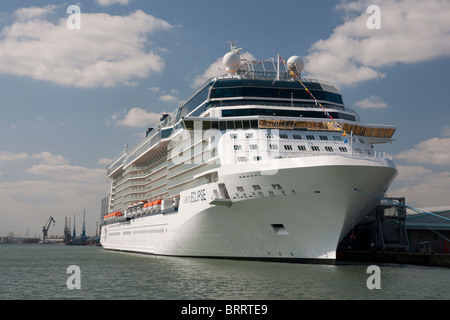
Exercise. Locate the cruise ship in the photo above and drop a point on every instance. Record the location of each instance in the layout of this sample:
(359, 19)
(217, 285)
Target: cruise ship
(258, 163)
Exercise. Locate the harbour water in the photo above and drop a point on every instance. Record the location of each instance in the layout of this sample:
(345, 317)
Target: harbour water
(41, 272)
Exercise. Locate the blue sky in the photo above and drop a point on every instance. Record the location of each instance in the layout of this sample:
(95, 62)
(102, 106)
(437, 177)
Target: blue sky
(71, 99)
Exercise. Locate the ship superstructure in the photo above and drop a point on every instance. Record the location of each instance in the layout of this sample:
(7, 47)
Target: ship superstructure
(258, 163)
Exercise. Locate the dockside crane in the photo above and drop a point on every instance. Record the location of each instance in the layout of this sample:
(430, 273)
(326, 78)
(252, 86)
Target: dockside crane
(83, 230)
(67, 236)
(45, 229)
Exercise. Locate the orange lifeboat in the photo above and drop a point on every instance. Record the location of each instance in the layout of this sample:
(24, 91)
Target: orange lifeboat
(157, 205)
(152, 206)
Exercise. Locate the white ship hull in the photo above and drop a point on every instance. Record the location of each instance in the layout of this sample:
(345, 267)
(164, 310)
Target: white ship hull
(304, 220)
(257, 163)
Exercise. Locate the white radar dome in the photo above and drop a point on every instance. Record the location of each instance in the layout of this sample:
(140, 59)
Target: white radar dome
(296, 64)
(231, 61)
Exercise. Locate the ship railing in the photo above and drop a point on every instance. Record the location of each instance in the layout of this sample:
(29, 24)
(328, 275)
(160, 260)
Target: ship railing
(355, 153)
(117, 162)
(317, 81)
(279, 154)
(273, 75)
(233, 103)
(371, 154)
(127, 157)
(376, 154)
(146, 144)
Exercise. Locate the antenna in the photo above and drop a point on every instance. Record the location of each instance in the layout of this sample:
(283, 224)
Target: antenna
(74, 231)
(278, 67)
(233, 46)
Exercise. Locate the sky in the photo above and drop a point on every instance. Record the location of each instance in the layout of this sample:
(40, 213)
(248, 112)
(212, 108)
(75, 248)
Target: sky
(75, 89)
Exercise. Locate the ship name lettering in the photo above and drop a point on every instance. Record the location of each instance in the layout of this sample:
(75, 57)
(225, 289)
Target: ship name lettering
(200, 195)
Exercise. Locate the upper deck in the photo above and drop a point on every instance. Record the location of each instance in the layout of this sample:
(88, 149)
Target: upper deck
(229, 92)
(258, 95)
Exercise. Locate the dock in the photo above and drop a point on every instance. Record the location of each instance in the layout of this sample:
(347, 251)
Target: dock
(413, 258)
(396, 233)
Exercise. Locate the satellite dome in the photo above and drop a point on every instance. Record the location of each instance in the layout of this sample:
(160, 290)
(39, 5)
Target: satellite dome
(231, 61)
(296, 64)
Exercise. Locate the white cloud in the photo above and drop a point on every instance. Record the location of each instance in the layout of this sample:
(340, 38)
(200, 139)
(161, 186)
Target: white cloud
(411, 31)
(34, 12)
(154, 89)
(168, 98)
(446, 131)
(372, 102)
(106, 3)
(68, 173)
(104, 161)
(107, 50)
(216, 69)
(29, 203)
(139, 118)
(45, 157)
(421, 186)
(49, 158)
(432, 151)
(53, 188)
(428, 191)
(8, 156)
(412, 173)
(55, 166)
